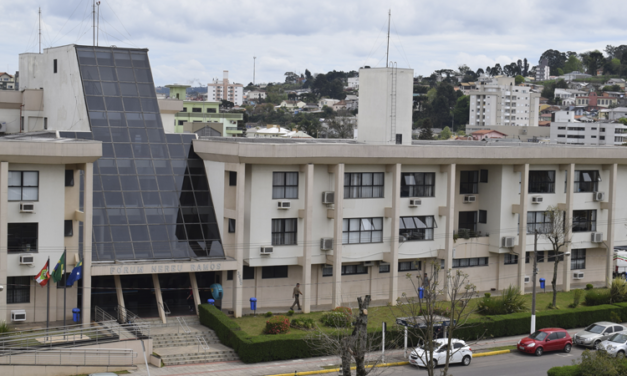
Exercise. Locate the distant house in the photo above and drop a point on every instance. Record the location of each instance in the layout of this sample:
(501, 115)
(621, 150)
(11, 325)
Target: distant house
(7, 81)
(341, 105)
(544, 100)
(594, 100)
(327, 102)
(487, 133)
(616, 81)
(292, 105)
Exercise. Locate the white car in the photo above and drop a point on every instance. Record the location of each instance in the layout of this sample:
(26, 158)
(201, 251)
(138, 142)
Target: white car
(460, 353)
(616, 345)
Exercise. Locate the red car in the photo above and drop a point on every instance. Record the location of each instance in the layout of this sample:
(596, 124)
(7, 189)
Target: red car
(548, 339)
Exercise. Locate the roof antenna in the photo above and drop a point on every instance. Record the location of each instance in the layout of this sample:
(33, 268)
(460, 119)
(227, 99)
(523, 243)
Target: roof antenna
(98, 24)
(39, 29)
(387, 54)
(93, 22)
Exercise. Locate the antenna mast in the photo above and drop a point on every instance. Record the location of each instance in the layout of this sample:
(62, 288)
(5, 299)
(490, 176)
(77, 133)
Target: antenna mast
(93, 22)
(254, 67)
(39, 29)
(387, 54)
(98, 25)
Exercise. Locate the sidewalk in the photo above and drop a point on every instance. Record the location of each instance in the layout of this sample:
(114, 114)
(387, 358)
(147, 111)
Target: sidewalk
(238, 368)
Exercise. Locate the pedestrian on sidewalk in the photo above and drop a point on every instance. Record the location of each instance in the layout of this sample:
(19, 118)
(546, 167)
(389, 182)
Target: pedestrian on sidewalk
(296, 295)
(190, 299)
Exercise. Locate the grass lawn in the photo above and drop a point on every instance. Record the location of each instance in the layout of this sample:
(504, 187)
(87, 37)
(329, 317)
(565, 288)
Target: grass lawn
(254, 325)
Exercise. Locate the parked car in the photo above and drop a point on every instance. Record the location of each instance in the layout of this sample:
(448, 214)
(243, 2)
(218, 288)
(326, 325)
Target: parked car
(461, 353)
(616, 345)
(543, 340)
(594, 334)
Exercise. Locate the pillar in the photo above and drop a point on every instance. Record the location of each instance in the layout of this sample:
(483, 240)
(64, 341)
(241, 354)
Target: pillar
(308, 240)
(449, 226)
(240, 202)
(4, 197)
(570, 191)
(338, 218)
(393, 214)
(611, 207)
(157, 286)
(87, 239)
(521, 248)
(120, 294)
(195, 293)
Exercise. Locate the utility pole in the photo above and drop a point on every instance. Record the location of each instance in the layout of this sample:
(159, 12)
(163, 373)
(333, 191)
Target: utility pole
(535, 272)
(93, 21)
(98, 24)
(39, 29)
(254, 67)
(387, 54)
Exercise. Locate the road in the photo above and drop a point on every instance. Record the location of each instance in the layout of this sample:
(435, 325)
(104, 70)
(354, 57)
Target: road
(512, 364)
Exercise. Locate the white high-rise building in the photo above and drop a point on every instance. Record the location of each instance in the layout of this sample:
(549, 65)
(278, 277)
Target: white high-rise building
(219, 90)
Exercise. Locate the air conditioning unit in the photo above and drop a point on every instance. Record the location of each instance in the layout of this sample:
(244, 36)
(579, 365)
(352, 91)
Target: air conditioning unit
(578, 275)
(18, 315)
(527, 279)
(469, 199)
(328, 198)
(27, 208)
(415, 203)
(284, 204)
(369, 263)
(536, 199)
(27, 260)
(596, 237)
(326, 244)
(266, 250)
(508, 241)
(599, 196)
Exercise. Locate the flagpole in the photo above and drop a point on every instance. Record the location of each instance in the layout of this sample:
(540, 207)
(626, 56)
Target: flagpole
(48, 302)
(64, 279)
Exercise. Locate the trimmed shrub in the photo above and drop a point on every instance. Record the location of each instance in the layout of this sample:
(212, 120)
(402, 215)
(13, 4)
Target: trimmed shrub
(564, 371)
(510, 302)
(576, 299)
(618, 291)
(487, 295)
(336, 319)
(345, 310)
(595, 298)
(277, 325)
(290, 312)
(303, 323)
(589, 286)
(268, 314)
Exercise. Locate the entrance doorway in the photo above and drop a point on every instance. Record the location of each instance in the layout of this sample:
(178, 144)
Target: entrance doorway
(139, 295)
(205, 280)
(175, 288)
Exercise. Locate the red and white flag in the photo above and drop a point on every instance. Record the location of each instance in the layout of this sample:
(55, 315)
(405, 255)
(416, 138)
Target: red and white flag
(44, 275)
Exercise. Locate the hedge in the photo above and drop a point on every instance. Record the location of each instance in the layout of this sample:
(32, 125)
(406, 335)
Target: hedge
(564, 371)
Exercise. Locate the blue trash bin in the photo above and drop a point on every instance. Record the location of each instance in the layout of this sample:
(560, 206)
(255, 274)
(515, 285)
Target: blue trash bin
(542, 283)
(253, 304)
(76, 314)
(421, 292)
(211, 301)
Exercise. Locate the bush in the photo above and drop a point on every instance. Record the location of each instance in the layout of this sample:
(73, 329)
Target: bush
(576, 298)
(595, 298)
(303, 323)
(618, 291)
(510, 302)
(487, 295)
(345, 310)
(600, 363)
(277, 325)
(4, 327)
(336, 319)
(268, 314)
(564, 371)
(290, 312)
(589, 286)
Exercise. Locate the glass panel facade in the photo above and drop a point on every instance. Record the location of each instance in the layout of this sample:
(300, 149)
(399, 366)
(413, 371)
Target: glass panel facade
(151, 193)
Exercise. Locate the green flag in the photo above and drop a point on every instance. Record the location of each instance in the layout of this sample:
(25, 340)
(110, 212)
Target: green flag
(59, 269)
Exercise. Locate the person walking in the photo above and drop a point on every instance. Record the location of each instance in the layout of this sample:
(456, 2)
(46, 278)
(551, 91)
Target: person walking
(296, 295)
(190, 299)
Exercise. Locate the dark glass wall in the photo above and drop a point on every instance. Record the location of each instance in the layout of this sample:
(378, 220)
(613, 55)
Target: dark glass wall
(151, 193)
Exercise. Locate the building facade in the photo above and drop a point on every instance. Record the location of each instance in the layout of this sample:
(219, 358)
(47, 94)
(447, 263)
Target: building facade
(219, 90)
(566, 130)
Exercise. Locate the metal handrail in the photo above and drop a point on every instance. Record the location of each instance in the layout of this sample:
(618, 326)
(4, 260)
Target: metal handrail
(183, 324)
(101, 315)
(74, 357)
(165, 308)
(126, 316)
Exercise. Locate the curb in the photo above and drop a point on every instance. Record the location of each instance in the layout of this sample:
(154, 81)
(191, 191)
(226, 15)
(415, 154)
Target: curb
(489, 353)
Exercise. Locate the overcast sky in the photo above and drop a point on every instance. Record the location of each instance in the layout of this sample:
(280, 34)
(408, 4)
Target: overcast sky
(192, 41)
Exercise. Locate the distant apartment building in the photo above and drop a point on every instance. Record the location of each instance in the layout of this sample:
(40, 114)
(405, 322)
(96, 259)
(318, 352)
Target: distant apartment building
(255, 95)
(219, 90)
(566, 130)
(353, 83)
(543, 71)
(569, 93)
(595, 100)
(497, 101)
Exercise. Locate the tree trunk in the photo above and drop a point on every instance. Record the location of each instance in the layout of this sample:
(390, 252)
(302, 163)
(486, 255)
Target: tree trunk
(346, 356)
(554, 280)
(360, 334)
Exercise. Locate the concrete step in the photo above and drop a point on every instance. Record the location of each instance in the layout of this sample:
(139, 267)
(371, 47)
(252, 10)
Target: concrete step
(200, 357)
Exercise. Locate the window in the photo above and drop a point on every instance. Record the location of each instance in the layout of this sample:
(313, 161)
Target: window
(468, 220)
(362, 230)
(384, 268)
(211, 110)
(511, 259)
(285, 185)
(45, 123)
(229, 275)
(184, 109)
(354, 269)
(551, 256)
(468, 182)
(578, 259)
(196, 109)
(22, 237)
(248, 272)
(483, 176)
(399, 139)
(54, 66)
(537, 220)
(363, 185)
(541, 181)
(587, 181)
(23, 185)
(231, 225)
(18, 290)
(279, 271)
(469, 262)
(232, 178)
(327, 271)
(68, 228)
(404, 266)
(483, 216)
(584, 220)
(417, 228)
(418, 184)
(540, 256)
(284, 231)
(69, 178)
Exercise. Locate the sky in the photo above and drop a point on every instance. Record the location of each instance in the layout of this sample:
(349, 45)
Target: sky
(193, 41)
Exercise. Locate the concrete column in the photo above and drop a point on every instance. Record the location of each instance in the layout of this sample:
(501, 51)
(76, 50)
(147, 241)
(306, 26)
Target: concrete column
(88, 195)
(449, 225)
(157, 286)
(4, 197)
(338, 218)
(393, 213)
(195, 293)
(610, 205)
(120, 294)
(308, 240)
(570, 192)
(521, 248)
(240, 202)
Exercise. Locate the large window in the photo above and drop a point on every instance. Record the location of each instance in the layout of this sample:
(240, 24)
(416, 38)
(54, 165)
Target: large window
(468, 220)
(587, 181)
(417, 228)
(384, 268)
(511, 259)
(363, 185)
(354, 269)
(284, 231)
(469, 262)
(584, 220)
(22, 237)
(552, 256)
(578, 259)
(541, 181)
(248, 272)
(284, 185)
(23, 185)
(362, 230)
(327, 271)
(18, 290)
(538, 220)
(279, 271)
(404, 266)
(468, 182)
(418, 184)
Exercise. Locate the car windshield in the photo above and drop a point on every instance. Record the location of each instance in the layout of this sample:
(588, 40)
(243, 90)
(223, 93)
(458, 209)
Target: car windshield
(619, 338)
(594, 328)
(538, 336)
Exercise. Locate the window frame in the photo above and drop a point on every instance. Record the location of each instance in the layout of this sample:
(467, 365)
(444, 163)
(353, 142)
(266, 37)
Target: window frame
(284, 186)
(406, 266)
(232, 178)
(325, 271)
(590, 222)
(22, 186)
(248, 272)
(357, 269)
(475, 222)
(69, 178)
(353, 191)
(14, 285)
(280, 235)
(346, 234)
(10, 248)
(592, 186)
(510, 259)
(458, 263)
(407, 232)
(412, 190)
(538, 185)
(232, 225)
(543, 227)
(483, 217)
(274, 271)
(68, 228)
(384, 266)
(578, 259)
(469, 182)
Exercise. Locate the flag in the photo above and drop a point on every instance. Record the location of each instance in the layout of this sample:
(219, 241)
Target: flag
(59, 269)
(76, 274)
(44, 275)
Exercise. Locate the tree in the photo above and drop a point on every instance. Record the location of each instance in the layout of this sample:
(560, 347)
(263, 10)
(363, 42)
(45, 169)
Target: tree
(311, 127)
(593, 61)
(556, 231)
(525, 71)
(555, 59)
(519, 79)
(426, 131)
(227, 104)
(445, 134)
(461, 112)
(341, 127)
(572, 64)
(291, 78)
(480, 72)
